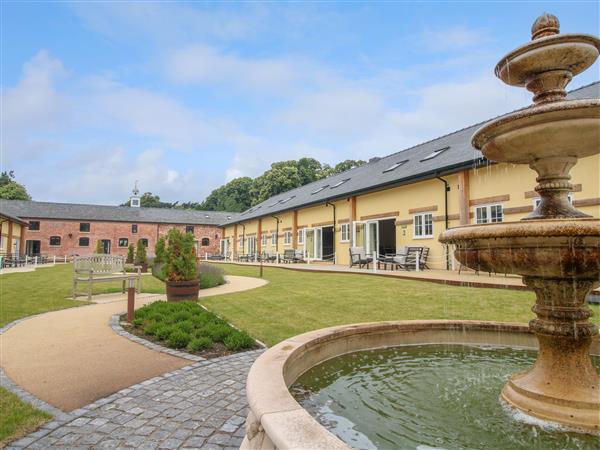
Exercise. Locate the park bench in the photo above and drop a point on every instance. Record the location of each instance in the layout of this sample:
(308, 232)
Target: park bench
(100, 269)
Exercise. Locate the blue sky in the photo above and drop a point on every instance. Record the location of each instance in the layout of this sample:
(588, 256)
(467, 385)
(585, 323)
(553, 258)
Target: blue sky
(186, 96)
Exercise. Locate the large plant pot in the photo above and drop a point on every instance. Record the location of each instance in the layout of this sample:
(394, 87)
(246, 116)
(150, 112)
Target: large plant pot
(178, 291)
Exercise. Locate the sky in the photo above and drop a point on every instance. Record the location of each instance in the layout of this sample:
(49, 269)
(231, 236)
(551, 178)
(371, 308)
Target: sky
(185, 96)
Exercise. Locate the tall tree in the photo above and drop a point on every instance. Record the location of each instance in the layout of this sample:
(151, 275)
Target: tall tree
(10, 189)
(149, 200)
(234, 196)
(281, 177)
(342, 167)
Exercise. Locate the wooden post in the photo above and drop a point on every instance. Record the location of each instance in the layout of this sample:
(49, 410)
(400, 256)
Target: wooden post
(295, 230)
(130, 299)
(9, 239)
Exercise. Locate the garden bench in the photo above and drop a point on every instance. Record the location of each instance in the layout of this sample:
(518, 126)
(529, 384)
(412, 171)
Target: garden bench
(99, 269)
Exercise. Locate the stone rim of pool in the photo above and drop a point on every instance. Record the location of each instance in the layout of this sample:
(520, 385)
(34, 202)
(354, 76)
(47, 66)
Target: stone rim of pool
(276, 419)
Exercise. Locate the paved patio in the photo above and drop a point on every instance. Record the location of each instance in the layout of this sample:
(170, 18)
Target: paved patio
(202, 405)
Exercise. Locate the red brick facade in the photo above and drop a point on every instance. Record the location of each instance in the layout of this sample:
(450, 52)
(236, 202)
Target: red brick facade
(69, 233)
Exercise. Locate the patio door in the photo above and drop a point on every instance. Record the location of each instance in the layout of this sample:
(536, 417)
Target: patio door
(33, 248)
(106, 246)
(366, 235)
(318, 243)
(224, 246)
(313, 243)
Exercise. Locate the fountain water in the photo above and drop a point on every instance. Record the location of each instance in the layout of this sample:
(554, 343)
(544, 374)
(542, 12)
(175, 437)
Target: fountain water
(556, 248)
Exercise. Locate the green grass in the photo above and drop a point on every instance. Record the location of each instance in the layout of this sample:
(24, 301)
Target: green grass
(187, 325)
(27, 293)
(17, 418)
(295, 302)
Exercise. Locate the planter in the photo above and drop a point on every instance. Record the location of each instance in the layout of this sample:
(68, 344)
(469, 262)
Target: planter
(178, 291)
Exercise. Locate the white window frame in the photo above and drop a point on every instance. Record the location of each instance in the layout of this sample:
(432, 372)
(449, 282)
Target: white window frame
(488, 212)
(273, 238)
(345, 232)
(423, 217)
(263, 239)
(287, 238)
(537, 200)
(301, 236)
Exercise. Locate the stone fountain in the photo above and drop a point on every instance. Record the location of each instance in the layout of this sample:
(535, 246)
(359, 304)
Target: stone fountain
(556, 248)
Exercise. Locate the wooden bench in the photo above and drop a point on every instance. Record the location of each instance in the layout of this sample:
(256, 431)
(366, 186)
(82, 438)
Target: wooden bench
(101, 268)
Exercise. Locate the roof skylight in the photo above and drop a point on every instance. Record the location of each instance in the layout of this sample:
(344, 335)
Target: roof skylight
(339, 183)
(276, 203)
(319, 189)
(395, 166)
(435, 153)
(285, 200)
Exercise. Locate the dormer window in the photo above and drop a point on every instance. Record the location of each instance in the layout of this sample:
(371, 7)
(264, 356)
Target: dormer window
(395, 166)
(135, 202)
(435, 153)
(339, 183)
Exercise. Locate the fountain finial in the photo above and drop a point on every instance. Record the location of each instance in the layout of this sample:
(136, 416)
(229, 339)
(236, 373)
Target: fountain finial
(545, 25)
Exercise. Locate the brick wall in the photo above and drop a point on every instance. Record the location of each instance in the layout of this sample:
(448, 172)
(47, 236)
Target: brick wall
(68, 231)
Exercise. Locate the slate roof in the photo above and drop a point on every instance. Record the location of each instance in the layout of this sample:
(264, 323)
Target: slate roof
(455, 153)
(71, 211)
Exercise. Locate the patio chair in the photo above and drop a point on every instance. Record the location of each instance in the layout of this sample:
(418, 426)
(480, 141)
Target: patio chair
(268, 257)
(359, 258)
(423, 258)
(408, 260)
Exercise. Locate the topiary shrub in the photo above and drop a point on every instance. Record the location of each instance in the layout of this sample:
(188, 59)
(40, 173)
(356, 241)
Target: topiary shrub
(140, 253)
(180, 258)
(130, 254)
(200, 343)
(159, 251)
(178, 339)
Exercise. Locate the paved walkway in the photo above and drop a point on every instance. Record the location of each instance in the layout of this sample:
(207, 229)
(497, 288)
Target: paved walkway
(72, 357)
(199, 406)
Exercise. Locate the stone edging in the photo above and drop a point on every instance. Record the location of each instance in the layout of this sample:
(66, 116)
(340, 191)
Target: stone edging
(115, 324)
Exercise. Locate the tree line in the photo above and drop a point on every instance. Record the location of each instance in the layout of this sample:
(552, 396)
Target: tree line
(236, 196)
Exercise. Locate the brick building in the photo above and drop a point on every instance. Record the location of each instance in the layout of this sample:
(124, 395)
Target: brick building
(66, 229)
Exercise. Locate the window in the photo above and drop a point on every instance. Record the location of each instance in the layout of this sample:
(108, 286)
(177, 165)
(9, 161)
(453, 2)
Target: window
(319, 189)
(339, 183)
(273, 238)
(135, 202)
(205, 242)
(285, 200)
(345, 232)
(263, 239)
(423, 225)
(34, 225)
(84, 227)
(189, 229)
(301, 236)
(395, 166)
(488, 214)
(144, 242)
(124, 242)
(84, 241)
(435, 153)
(55, 241)
(134, 229)
(287, 237)
(240, 243)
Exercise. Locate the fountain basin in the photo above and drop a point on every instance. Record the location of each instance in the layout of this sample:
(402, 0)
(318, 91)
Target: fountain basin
(540, 248)
(569, 128)
(277, 421)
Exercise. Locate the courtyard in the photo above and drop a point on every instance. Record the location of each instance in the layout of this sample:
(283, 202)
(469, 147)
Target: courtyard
(182, 402)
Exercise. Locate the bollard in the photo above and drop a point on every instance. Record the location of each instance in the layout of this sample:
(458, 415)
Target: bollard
(206, 256)
(54, 259)
(130, 300)
(35, 261)
(65, 259)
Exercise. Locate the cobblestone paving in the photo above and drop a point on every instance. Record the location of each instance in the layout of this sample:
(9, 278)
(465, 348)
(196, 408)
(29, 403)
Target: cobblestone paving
(199, 406)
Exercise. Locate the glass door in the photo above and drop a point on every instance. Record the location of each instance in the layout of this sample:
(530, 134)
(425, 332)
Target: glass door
(359, 235)
(309, 242)
(372, 239)
(318, 243)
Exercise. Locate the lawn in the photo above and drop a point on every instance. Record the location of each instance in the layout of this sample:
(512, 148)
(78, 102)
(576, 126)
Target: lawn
(18, 418)
(46, 289)
(294, 302)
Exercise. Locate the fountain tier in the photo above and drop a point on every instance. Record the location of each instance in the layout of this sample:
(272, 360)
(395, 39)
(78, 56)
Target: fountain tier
(556, 249)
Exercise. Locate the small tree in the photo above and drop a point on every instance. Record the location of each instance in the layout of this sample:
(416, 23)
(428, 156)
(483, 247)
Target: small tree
(180, 260)
(99, 247)
(159, 251)
(130, 254)
(140, 254)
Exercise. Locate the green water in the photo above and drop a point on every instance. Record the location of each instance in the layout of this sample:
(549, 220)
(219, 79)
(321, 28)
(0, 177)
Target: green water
(428, 397)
